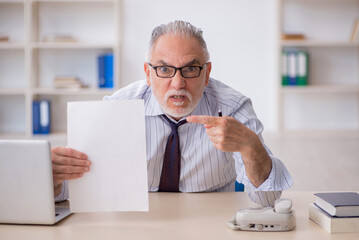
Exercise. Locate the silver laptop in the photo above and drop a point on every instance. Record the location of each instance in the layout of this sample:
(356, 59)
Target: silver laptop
(26, 184)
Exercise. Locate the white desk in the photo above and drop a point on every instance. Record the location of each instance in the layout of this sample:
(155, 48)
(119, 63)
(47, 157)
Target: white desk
(175, 216)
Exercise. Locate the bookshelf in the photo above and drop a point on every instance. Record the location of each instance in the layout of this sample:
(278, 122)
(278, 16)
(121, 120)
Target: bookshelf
(330, 101)
(29, 62)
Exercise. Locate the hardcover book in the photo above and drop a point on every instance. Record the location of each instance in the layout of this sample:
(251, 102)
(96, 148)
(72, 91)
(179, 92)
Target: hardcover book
(340, 204)
(333, 224)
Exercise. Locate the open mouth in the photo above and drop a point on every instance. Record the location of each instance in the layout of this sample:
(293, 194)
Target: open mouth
(177, 97)
(177, 100)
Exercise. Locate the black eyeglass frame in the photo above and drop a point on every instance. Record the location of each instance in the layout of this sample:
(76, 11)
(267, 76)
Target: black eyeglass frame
(180, 69)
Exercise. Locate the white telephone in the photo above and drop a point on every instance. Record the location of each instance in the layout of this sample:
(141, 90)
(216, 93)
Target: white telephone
(281, 218)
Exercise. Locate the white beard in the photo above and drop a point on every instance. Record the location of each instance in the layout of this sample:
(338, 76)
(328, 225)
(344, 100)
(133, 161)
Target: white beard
(178, 112)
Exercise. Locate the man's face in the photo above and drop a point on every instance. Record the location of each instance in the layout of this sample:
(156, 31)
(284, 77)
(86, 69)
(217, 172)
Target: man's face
(177, 96)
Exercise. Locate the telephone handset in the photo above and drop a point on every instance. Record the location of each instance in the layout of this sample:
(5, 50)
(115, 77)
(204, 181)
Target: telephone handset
(279, 218)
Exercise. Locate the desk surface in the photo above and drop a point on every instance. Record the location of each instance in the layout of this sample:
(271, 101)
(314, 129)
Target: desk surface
(175, 216)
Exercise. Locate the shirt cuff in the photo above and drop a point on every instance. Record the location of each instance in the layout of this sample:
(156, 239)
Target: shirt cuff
(279, 178)
(64, 195)
(267, 185)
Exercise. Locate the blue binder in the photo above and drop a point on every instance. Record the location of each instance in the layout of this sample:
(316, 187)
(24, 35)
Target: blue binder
(101, 71)
(41, 117)
(35, 117)
(105, 70)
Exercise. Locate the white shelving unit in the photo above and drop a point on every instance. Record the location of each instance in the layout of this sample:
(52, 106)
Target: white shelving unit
(330, 101)
(28, 64)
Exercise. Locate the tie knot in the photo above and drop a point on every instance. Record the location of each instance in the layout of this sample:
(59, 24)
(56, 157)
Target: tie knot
(174, 126)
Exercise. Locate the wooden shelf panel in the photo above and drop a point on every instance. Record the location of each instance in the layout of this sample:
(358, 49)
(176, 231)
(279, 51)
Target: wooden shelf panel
(316, 43)
(11, 1)
(80, 91)
(13, 136)
(319, 134)
(71, 45)
(70, 1)
(12, 45)
(55, 136)
(12, 91)
(321, 89)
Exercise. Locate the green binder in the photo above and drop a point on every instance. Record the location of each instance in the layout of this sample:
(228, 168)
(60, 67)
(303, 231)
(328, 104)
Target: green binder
(302, 66)
(285, 79)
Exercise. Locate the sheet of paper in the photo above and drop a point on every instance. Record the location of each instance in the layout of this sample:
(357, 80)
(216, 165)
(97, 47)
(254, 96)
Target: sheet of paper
(112, 134)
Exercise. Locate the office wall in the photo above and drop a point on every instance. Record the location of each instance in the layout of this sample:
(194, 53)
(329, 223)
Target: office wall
(240, 34)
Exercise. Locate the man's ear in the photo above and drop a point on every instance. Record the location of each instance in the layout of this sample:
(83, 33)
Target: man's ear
(208, 71)
(146, 67)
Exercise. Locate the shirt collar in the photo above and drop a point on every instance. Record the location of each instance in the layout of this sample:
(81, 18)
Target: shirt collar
(152, 107)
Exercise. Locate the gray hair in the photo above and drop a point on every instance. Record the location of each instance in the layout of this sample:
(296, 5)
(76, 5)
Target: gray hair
(177, 28)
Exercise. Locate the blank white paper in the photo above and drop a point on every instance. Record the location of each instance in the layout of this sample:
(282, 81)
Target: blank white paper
(112, 134)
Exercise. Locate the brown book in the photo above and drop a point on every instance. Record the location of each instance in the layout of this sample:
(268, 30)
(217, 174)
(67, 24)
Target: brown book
(4, 38)
(67, 82)
(293, 36)
(58, 38)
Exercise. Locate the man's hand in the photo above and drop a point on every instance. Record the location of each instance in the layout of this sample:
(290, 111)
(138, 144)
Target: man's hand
(67, 164)
(229, 135)
(226, 133)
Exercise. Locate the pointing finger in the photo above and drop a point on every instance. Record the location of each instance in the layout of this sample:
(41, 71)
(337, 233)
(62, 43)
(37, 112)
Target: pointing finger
(202, 119)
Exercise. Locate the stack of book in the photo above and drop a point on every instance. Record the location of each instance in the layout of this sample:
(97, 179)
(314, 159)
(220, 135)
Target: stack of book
(294, 68)
(67, 82)
(336, 212)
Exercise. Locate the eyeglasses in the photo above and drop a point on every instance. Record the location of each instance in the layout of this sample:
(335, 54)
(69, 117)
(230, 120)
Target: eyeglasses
(169, 71)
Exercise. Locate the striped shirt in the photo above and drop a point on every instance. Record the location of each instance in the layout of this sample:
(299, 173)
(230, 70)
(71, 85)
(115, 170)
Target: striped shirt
(203, 167)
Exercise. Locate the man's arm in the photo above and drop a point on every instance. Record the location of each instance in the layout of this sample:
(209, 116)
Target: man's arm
(229, 135)
(263, 175)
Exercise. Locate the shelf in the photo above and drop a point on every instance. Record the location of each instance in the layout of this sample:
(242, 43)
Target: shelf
(56, 136)
(77, 91)
(321, 89)
(320, 134)
(12, 45)
(70, 1)
(71, 45)
(28, 64)
(11, 1)
(12, 91)
(329, 104)
(316, 43)
(13, 136)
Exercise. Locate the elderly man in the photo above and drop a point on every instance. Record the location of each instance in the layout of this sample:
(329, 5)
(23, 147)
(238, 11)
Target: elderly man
(190, 146)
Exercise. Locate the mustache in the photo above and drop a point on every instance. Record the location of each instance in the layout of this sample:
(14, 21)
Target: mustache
(178, 92)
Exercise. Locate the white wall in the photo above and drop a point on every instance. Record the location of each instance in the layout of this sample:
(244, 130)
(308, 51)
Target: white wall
(240, 34)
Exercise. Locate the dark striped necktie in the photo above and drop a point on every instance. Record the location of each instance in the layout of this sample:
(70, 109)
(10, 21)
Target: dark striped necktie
(172, 160)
